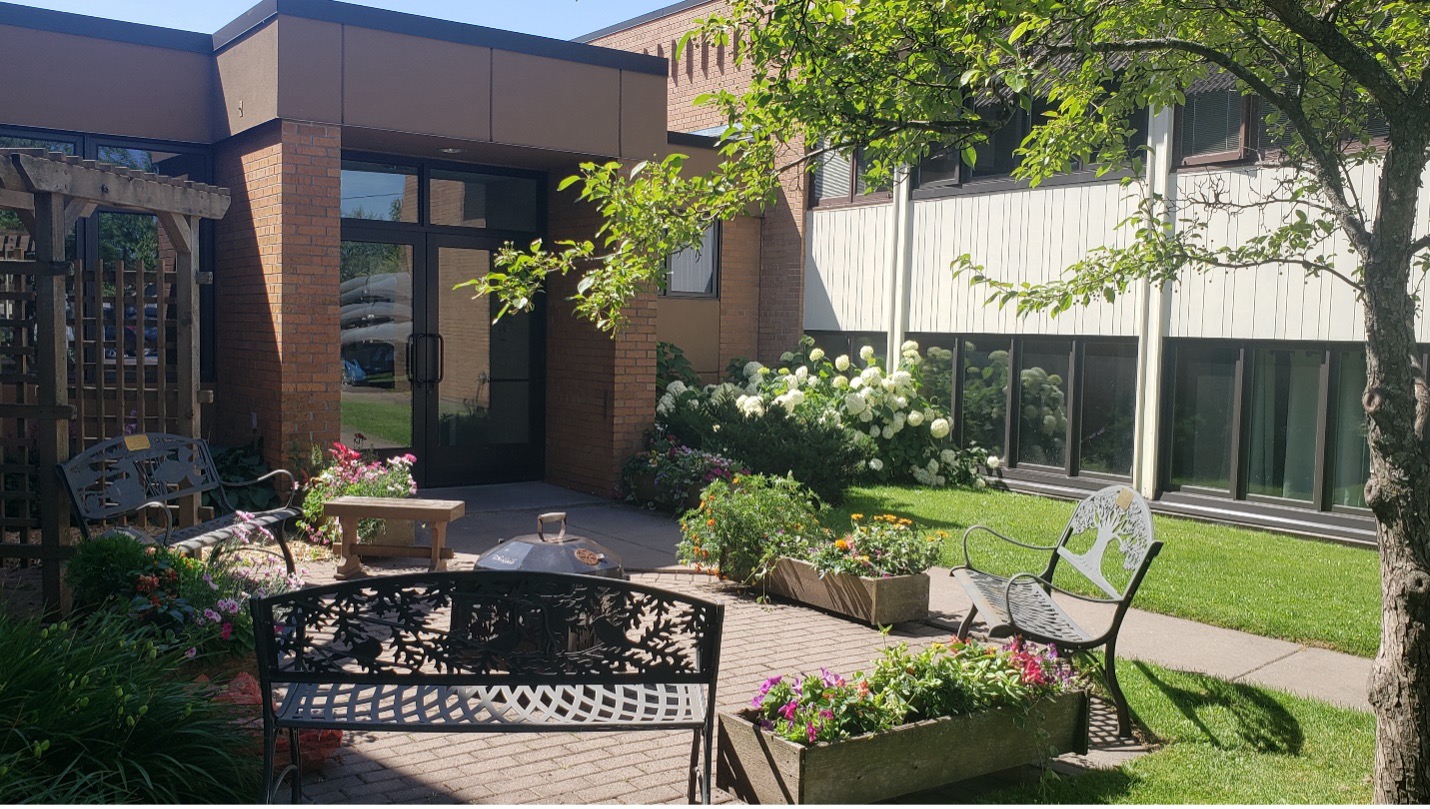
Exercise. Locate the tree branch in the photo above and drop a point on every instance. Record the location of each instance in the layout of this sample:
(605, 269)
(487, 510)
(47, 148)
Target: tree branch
(1358, 63)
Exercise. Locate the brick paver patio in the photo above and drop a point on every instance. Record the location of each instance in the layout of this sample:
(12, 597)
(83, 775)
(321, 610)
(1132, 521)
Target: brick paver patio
(631, 768)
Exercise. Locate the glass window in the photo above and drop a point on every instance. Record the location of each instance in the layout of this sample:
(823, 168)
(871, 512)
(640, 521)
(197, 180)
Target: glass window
(985, 396)
(1350, 458)
(1108, 385)
(1285, 403)
(378, 192)
(936, 375)
(466, 199)
(833, 176)
(375, 316)
(940, 168)
(694, 271)
(1043, 413)
(1211, 123)
(1203, 401)
(995, 155)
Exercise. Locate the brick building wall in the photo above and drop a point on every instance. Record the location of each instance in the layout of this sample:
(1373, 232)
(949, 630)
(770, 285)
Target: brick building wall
(702, 67)
(276, 284)
(599, 388)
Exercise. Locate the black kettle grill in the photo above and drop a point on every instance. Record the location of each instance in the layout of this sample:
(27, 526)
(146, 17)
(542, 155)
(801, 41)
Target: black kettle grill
(558, 554)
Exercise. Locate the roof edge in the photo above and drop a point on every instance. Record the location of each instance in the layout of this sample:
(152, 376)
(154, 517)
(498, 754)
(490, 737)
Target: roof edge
(65, 22)
(649, 16)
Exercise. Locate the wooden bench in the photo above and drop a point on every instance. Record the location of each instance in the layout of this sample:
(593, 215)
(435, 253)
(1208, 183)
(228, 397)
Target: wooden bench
(486, 652)
(114, 484)
(1113, 525)
(351, 509)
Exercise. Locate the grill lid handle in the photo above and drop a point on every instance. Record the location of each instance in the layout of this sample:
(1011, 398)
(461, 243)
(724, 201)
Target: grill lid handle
(551, 516)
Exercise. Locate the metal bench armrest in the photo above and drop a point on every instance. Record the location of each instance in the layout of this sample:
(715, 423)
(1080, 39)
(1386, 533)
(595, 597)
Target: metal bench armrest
(968, 561)
(1047, 585)
(168, 517)
(292, 484)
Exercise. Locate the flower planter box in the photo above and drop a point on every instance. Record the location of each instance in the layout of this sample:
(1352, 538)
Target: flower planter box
(879, 602)
(645, 490)
(759, 767)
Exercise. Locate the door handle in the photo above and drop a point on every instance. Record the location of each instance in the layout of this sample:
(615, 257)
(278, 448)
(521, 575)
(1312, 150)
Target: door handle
(411, 359)
(441, 358)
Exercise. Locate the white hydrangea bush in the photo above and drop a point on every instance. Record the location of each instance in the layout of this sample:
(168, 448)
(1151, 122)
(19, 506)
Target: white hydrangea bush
(912, 432)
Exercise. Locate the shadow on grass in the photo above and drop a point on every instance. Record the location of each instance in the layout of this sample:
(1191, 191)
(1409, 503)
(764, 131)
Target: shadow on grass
(1229, 715)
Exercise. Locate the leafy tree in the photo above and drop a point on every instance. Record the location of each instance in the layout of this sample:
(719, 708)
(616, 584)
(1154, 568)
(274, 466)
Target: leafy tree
(903, 79)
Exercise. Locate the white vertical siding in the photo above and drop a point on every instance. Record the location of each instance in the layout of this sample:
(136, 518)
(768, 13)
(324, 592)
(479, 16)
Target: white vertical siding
(1276, 302)
(847, 263)
(1025, 235)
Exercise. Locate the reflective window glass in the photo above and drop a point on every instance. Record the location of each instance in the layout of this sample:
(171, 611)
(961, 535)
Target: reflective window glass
(1285, 402)
(378, 192)
(1350, 459)
(985, 396)
(1042, 401)
(693, 272)
(1203, 400)
(375, 316)
(466, 199)
(1109, 408)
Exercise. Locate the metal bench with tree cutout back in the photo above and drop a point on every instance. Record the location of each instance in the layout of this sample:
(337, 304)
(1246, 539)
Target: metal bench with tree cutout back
(487, 651)
(1114, 519)
(114, 483)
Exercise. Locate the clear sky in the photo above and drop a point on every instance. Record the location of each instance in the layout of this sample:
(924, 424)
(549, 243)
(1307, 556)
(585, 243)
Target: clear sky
(562, 19)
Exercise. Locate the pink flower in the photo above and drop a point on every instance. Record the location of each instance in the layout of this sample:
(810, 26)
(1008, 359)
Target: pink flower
(789, 709)
(811, 732)
(227, 631)
(191, 653)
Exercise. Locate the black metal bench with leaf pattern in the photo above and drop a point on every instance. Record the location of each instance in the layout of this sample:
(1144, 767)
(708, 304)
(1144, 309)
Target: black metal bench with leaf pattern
(1114, 529)
(487, 651)
(115, 483)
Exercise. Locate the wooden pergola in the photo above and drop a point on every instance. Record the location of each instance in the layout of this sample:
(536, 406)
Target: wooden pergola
(50, 192)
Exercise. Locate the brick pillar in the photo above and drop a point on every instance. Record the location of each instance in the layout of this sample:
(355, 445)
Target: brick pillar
(276, 283)
(599, 388)
(739, 289)
(782, 263)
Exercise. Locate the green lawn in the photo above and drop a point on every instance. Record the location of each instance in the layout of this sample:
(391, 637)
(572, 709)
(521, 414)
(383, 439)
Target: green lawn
(1268, 584)
(1223, 743)
(387, 423)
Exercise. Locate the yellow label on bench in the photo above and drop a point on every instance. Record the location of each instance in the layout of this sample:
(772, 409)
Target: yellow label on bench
(134, 443)
(1124, 498)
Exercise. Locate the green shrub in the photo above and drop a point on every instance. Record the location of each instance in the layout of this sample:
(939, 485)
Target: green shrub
(743, 525)
(104, 568)
(90, 714)
(877, 546)
(671, 365)
(665, 474)
(819, 453)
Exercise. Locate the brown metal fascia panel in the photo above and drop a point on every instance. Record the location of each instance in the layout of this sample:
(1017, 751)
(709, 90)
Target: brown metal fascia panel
(246, 82)
(409, 84)
(310, 70)
(75, 82)
(555, 104)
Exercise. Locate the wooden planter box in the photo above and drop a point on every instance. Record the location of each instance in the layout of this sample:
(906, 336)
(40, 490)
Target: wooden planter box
(758, 767)
(879, 602)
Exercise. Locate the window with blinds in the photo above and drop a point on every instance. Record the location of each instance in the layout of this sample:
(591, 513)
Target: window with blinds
(1212, 124)
(695, 272)
(833, 176)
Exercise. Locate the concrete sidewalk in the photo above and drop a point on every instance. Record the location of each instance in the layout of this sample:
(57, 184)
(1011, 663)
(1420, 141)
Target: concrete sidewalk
(646, 541)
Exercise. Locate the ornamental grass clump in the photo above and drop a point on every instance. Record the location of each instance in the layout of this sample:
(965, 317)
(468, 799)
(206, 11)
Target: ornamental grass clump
(744, 524)
(350, 474)
(92, 714)
(878, 546)
(949, 679)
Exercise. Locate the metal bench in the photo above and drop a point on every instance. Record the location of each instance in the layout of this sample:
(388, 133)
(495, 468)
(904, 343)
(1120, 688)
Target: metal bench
(114, 483)
(487, 652)
(1117, 522)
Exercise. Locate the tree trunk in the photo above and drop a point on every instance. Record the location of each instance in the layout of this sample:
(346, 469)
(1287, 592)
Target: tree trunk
(1398, 409)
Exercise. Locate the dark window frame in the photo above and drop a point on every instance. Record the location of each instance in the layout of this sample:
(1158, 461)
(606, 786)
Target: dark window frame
(718, 248)
(851, 199)
(1247, 135)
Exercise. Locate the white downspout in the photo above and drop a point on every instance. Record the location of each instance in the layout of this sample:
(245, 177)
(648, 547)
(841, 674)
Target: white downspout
(900, 264)
(1155, 318)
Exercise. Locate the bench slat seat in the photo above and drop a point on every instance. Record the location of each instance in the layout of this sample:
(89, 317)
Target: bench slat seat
(1033, 610)
(189, 541)
(456, 709)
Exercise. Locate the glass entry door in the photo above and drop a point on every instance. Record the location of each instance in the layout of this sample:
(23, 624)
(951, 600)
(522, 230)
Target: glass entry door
(425, 370)
(479, 386)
